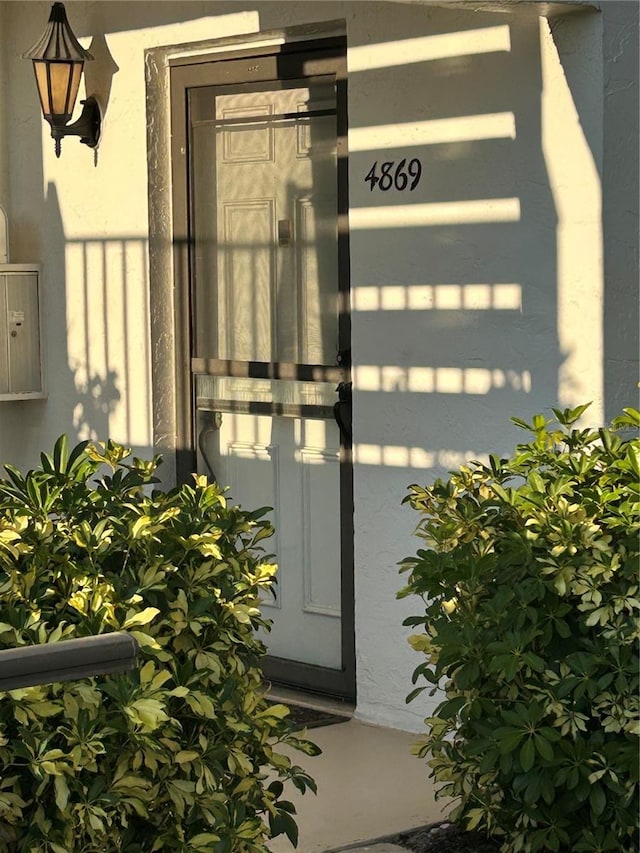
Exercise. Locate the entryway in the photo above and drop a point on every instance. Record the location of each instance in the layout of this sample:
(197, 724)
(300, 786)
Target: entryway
(370, 785)
(260, 203)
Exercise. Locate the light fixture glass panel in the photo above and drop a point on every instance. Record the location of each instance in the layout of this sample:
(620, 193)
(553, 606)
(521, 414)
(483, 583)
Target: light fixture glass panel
(76, 74)
(40, 69)
(58, 84)
(65, 80)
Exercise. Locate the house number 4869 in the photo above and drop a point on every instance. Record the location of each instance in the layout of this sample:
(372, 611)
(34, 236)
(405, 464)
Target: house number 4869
(403, 176)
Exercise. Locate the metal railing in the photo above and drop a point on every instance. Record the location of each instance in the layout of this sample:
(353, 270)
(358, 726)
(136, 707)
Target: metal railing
(67, 660)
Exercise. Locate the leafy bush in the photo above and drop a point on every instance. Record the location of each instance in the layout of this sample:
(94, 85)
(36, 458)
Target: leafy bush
(530, 582)
(183, 753)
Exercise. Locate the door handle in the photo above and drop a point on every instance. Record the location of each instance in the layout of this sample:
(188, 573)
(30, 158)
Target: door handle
(342, 411)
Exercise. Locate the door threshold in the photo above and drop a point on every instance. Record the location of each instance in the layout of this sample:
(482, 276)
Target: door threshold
(291, 696)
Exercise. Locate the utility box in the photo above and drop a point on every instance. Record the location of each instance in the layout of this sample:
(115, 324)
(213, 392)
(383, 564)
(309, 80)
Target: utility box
(21, 374)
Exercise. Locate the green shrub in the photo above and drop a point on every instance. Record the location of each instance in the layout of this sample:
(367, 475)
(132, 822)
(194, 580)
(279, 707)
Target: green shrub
(183, 754)
(530, 624)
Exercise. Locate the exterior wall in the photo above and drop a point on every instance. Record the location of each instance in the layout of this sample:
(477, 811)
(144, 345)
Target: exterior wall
(4, 154)
(620, 205)
(476, 296)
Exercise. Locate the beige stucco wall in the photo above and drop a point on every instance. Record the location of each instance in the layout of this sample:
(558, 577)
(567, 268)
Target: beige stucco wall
(4, 158)
(482, 294)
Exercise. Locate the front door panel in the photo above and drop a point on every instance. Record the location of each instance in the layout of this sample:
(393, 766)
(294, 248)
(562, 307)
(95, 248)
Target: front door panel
(292, 465)
(266, 344)
(265, 222)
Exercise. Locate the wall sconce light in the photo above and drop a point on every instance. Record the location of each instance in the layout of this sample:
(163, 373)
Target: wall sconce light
(58, 60)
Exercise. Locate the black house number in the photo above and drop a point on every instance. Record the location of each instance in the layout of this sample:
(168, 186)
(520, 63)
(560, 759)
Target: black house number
(403, 176)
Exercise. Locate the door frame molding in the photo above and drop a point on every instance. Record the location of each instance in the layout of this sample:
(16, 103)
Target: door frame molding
(290, 60)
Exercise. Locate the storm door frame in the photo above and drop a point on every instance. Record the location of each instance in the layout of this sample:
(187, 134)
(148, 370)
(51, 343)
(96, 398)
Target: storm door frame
(293, 60)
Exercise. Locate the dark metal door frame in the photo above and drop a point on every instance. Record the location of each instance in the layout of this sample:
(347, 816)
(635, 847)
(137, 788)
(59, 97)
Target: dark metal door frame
(280, 62)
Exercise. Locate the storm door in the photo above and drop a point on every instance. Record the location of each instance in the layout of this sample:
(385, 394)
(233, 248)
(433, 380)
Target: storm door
(259, 146)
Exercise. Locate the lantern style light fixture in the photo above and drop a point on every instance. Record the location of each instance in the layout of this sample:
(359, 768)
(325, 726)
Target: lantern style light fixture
(58, 61)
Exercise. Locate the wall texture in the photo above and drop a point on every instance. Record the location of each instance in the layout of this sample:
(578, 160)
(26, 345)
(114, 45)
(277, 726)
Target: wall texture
(491, 289)
(620, 204)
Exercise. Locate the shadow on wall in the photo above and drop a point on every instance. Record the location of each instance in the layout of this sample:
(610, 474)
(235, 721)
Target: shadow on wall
(104, 312)
(613, 125)
(97, 399)
(94, 297)
(460, 276)
(99, 74)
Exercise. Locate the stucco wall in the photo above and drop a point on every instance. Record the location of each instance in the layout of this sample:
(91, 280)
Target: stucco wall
(620, 203)
(4, 156)
(476, 296)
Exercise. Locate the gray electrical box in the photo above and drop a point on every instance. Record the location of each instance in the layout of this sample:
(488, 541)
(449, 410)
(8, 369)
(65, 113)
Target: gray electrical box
(21, 375)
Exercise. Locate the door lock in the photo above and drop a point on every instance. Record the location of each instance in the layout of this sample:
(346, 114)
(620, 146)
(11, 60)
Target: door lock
(344, 358)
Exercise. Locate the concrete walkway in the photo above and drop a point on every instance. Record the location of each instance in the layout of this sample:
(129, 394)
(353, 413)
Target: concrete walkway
(369, 786)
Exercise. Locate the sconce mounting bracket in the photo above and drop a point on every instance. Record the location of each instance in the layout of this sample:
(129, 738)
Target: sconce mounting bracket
(87, 126)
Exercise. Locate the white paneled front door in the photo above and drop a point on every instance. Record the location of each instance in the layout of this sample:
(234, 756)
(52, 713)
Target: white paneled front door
(268, 337)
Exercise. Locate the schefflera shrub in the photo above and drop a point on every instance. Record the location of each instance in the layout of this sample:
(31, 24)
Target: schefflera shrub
(183, 753)
(529, 578)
